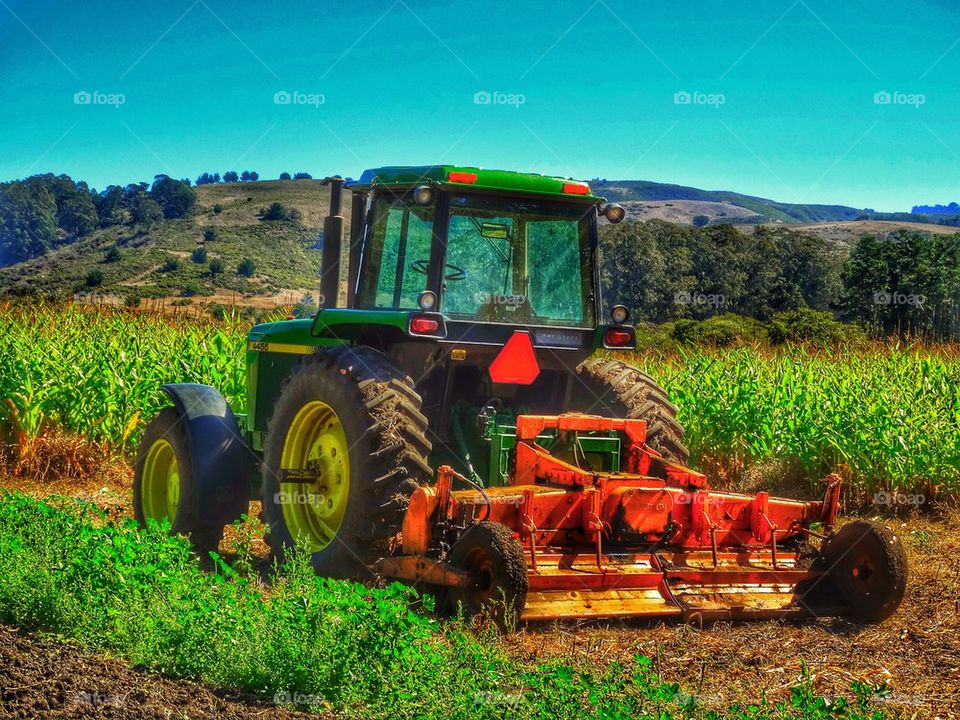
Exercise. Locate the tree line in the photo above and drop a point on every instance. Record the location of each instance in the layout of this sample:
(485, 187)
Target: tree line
(42, 211)
(907, 282)
(231, 176)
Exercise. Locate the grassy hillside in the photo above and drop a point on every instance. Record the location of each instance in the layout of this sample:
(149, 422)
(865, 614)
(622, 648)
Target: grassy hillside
(282, 251)
(763, 210)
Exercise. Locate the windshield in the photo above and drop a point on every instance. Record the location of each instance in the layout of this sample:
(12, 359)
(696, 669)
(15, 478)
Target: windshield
(518, 261)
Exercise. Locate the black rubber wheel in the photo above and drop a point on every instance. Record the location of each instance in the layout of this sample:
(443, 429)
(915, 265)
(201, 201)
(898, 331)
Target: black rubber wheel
(164, 450)
(383, 431)
(616, 389)
(495, 560)
(867, 568)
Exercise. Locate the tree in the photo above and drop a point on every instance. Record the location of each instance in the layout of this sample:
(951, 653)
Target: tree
(285, 176)
(108, 205)
(249, 176)
(170, 265)
(176, 198)
(215, 267)
(230, 176)
(208, 179)
(246, 268)
(700, 220)
(210, 234)
(28, 226)
(94, 278)
(146, 211)
(77, 214)
(303, 176)
(112, 255)
(199, 256)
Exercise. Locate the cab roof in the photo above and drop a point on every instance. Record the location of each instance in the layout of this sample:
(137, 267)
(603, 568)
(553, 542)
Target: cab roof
(459, 176)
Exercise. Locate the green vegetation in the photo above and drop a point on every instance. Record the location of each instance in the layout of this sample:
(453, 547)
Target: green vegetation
(334, 645)
(887, 417)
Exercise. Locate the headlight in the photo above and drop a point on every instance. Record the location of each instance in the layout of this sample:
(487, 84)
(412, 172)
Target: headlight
(423, 195)
(427, 300)
(619, 314)
(614, 213)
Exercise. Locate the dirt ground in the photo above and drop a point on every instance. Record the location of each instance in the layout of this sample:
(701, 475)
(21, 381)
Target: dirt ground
(916, 653)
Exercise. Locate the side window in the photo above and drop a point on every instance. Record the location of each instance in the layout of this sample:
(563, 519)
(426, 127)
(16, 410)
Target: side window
(395, 267)
(556, 289)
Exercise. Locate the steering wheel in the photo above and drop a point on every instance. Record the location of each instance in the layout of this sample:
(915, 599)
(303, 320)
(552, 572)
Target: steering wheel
(458, 273)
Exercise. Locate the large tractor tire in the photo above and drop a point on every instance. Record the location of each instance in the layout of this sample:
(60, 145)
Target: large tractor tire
(163, 484)
(344, 451)
(613, 388)
(867, 568)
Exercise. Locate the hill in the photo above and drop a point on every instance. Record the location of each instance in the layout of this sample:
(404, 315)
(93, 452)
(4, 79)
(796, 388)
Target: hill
(156, 261)
(759, 210)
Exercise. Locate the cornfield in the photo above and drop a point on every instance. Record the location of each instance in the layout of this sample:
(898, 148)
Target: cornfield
(889, 418)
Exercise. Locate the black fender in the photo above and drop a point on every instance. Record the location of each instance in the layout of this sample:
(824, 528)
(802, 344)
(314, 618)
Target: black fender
(218, 453)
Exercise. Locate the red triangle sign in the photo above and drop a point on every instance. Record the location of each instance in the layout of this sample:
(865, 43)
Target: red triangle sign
(516, 363)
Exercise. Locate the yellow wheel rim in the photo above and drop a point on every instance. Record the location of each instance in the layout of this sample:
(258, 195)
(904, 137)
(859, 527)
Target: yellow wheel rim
(315, 443)
(160, 485)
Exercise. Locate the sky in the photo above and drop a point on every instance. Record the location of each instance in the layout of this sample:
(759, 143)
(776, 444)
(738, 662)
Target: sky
(852, 103)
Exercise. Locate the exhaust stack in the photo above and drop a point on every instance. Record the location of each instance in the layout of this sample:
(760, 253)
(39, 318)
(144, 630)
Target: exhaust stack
(332, 245)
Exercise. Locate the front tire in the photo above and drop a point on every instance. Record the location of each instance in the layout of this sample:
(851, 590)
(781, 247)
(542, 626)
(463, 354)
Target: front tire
(163, 483)
(344, 451)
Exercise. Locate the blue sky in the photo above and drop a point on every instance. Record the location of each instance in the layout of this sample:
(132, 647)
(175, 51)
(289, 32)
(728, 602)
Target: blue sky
(800, 100)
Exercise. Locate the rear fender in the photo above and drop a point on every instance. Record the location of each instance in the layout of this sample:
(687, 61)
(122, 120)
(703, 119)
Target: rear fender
(218, 454)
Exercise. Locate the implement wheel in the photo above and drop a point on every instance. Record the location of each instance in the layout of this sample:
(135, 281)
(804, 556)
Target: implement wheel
(615, 389)
(163, 482)
(344, 451)
(495, 561)
(867, 567)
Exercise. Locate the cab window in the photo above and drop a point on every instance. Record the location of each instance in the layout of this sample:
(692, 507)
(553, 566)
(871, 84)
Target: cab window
(395, 266)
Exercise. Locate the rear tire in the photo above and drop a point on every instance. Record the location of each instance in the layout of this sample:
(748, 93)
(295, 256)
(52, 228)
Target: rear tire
(372, 410)
(867, 567)
(495, 560)
(616, 389)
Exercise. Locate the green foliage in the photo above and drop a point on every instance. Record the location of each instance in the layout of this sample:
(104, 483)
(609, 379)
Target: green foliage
(278, 211)
(701, 220)
(28, 225)
(170, 265)
(215, 267)
(812, 327)
(230, 176)
(210, 233)
(246, 268)
(333, 645)
(199, 255)
(94, 278)
(146, 211)
(112, 255)
(175, 197)
(189, 290)
(217, 209)
(906, 282)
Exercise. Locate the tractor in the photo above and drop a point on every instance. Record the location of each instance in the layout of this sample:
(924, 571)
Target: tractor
(455, 417)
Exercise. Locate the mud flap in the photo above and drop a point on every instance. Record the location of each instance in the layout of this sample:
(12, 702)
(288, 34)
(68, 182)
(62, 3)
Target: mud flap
(218, 455)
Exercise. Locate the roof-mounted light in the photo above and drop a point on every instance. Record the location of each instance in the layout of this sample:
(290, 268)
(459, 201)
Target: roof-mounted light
(459, 176)
(572, 187)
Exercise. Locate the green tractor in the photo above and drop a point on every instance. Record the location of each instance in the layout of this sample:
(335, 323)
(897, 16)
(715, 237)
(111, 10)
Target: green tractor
(447, 268)
(464, 354)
